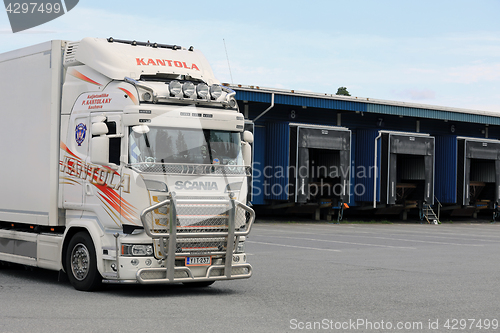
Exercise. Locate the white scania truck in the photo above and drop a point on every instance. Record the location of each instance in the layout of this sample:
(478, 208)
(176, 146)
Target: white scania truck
(122, 162)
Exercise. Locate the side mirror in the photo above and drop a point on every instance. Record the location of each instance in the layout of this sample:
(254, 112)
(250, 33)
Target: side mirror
(100, 150)
(99, 153)
(99, 129)
(248, 136)
(141, 129)
(246, 150)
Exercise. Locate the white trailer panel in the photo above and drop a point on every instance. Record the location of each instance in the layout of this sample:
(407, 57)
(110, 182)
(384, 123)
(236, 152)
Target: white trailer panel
(30, 91)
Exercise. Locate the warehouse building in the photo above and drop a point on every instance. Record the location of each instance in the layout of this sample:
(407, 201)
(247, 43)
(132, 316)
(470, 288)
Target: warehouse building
(320, 153)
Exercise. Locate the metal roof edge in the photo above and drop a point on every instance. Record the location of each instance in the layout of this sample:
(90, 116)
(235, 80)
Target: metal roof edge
(405, 133)
(468, 138)
(316, 126)
(363, 100)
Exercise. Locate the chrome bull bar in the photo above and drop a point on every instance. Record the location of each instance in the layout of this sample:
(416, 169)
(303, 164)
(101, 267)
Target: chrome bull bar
(172, 234)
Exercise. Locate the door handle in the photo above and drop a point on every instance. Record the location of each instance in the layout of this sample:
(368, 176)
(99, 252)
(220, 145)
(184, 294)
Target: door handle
(88, 189)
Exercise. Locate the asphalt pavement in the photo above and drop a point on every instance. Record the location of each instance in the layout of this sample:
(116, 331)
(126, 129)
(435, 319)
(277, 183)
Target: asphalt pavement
(311, 277)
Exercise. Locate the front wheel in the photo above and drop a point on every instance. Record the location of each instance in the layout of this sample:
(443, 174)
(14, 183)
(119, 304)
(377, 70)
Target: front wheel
(81, 263)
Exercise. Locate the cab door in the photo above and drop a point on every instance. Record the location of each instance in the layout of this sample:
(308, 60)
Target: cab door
(74, 170)
(101, 188)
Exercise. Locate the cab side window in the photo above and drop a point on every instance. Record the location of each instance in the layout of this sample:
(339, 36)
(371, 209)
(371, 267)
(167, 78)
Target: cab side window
(114, 144)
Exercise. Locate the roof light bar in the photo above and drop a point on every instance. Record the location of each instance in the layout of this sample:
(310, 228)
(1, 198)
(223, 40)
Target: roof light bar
(136, 43)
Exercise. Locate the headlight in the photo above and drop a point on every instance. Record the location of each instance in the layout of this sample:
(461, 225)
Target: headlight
(241, 247)
(202, 90)
(188, 89)
(175, 88)
(232, 103)
(154, 185)
(234, 187)
(215, 91)
(137, 250)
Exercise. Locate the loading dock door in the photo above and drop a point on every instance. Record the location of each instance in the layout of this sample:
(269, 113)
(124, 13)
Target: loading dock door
(418, 164)
(331, 149)
(482, 165)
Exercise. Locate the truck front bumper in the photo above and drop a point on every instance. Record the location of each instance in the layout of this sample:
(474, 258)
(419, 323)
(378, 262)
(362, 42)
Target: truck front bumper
(219, 242)
(186, 274)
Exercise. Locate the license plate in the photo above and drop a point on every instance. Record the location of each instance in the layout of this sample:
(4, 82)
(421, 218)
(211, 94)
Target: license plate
(198, 261)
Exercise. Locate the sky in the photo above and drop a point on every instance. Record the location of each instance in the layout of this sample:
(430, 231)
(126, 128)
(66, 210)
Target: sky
(439, 52)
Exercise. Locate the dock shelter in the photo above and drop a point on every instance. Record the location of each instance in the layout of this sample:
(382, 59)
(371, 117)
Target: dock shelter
(308, 163)
(470, 169)
(368, 154)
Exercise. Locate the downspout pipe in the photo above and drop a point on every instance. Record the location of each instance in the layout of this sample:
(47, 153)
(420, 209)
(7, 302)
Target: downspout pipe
(269, 108)
(375, 174)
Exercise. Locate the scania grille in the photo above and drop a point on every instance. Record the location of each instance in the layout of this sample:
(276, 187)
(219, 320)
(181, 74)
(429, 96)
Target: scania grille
(202, 224)
(197, 226)
(197, 246)
(196, 218)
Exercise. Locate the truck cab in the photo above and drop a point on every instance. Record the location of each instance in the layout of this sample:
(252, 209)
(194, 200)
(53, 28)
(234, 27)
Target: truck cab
(153, 168)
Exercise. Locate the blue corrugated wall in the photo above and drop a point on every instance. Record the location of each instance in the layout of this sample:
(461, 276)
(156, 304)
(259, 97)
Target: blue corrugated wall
(254, 96)
(352, 179)
(445, 181)
(432, 114)
(259, 147)
(333, 104)
(365, 155)
(313, 102)
(275, 172)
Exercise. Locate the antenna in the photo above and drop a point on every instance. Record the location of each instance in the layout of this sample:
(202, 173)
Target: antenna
(228, 65)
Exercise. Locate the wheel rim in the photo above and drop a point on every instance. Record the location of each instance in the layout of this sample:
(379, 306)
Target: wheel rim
(80, 261)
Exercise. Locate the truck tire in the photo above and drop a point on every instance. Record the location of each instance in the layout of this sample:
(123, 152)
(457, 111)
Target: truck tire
(81, 263)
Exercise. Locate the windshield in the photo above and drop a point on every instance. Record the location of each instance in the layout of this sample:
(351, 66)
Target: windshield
(185, 146)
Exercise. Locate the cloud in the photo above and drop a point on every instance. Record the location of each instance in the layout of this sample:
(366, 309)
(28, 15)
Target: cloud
(416, 94)
(29, 32)
(484, 107)
(473, 73)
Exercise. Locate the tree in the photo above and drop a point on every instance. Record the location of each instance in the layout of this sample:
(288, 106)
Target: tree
(342, 91)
